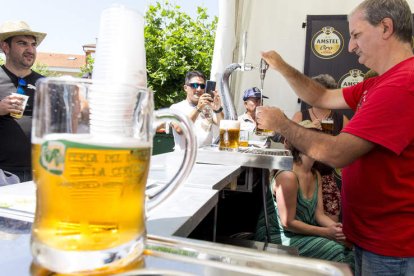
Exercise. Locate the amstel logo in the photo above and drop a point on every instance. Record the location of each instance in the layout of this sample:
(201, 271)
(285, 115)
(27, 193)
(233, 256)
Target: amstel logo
(327, 43)
(52, 157)
(353, 77)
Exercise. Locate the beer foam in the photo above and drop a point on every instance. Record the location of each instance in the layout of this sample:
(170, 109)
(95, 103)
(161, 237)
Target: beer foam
(89, 139)
(229, 124)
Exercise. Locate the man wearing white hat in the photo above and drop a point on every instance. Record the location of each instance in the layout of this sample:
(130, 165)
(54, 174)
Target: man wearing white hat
(18, 42)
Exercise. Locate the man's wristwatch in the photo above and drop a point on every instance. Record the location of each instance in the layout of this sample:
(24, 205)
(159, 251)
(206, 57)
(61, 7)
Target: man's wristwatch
(218, 110)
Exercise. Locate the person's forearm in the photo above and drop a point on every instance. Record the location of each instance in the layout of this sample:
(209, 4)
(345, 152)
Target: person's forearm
(194, 114)
(299, 227)
(219, 117)
(323, 220)
(306, 89)
(319, 146)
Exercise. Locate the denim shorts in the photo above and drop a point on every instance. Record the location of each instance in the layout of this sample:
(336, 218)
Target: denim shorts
(370, 264)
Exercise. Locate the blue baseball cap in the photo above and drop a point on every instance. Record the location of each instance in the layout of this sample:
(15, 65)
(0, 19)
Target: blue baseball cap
(253, 92)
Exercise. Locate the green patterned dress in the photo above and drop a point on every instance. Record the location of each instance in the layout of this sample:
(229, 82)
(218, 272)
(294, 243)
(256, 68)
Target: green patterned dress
(309, 246)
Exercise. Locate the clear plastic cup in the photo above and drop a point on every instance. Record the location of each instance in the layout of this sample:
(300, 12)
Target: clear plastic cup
(23, 106)
(120, 51)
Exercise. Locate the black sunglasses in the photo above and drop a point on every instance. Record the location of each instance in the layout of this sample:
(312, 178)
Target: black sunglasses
(197, 85)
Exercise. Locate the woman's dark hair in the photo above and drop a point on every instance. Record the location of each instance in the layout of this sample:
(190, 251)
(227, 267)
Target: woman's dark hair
(326, 81)
(296, 154)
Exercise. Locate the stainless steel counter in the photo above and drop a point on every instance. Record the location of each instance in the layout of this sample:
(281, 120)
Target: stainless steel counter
(205, 176)
(272, 159)
(167, 256)
(180, 214)
(220, 259)
(177, 216)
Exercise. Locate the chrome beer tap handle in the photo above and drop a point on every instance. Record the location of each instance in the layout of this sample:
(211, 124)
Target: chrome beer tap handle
(263, 68)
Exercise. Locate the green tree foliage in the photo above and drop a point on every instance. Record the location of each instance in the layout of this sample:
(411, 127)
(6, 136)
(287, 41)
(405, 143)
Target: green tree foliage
(42, 69)
(175, 44)
(88, 67)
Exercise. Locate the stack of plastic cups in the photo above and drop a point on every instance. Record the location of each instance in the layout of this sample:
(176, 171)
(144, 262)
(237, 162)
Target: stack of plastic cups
(119, 72)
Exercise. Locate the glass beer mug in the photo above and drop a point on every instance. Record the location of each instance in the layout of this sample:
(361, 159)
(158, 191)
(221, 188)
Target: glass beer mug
(263, 132)
(91, 152)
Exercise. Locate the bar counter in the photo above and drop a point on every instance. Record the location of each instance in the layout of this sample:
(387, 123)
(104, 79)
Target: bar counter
(169, 251)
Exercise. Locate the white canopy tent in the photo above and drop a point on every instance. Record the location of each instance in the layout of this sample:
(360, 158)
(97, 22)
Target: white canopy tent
(270, 24)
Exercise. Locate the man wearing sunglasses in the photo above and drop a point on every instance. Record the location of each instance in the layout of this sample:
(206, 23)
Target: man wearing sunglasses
(194, 106)
(18, 42)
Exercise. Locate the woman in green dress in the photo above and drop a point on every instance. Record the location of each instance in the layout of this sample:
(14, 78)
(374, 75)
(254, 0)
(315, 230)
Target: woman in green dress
(296, 216)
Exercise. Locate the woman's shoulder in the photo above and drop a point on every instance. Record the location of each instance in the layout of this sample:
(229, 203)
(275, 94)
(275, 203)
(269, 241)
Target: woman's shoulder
(297, 117)
(286, 176)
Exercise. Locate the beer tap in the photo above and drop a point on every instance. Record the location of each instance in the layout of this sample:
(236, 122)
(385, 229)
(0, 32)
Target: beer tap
(263, 68)
(228, 105)
(243, 65)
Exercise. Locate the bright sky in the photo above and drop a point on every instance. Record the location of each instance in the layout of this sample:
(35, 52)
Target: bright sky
(69, 24)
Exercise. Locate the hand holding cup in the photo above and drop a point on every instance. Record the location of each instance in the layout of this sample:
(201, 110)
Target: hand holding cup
(13, 104)
(317, 124)
(269, 118)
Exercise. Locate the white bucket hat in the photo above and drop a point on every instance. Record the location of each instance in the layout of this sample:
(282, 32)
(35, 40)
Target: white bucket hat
(15, 28)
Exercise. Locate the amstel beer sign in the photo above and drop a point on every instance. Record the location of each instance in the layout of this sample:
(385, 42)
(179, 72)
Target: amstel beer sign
(353, 77)
(327, 43)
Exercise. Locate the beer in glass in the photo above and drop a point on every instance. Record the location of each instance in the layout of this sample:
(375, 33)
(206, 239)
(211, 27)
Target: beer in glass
(263, 132)
(91, 151)
(229, 135)
(244, 138)
(327, 125)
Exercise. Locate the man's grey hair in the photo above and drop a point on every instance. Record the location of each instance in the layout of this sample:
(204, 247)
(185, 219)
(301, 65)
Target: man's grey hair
(397, 10)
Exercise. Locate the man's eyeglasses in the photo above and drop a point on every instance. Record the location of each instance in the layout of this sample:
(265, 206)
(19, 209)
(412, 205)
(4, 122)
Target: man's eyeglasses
(20, 85)
(195, 85)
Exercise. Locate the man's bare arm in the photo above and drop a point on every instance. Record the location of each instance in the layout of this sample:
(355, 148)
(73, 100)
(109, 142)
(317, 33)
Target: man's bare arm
(336, 151)
(308, 90)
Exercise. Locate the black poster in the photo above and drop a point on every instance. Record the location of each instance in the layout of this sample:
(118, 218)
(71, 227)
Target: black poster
(327, 39)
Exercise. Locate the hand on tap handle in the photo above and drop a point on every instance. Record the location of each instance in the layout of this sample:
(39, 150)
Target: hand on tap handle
(273, 59)
(263, 68)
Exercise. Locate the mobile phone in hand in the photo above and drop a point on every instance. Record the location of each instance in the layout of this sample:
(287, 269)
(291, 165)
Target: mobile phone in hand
(210, 88)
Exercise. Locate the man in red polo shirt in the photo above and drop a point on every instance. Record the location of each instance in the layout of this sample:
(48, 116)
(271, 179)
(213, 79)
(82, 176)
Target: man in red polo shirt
(376, 148)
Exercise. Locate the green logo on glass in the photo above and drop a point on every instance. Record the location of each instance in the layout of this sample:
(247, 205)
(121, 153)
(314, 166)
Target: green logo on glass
(52, 157)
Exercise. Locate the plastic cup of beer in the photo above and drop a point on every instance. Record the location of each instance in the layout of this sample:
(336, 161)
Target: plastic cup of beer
(263, 132)
(244, 138)
(91, 185)
(229, 135)
(327, 125)
(23, 105)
